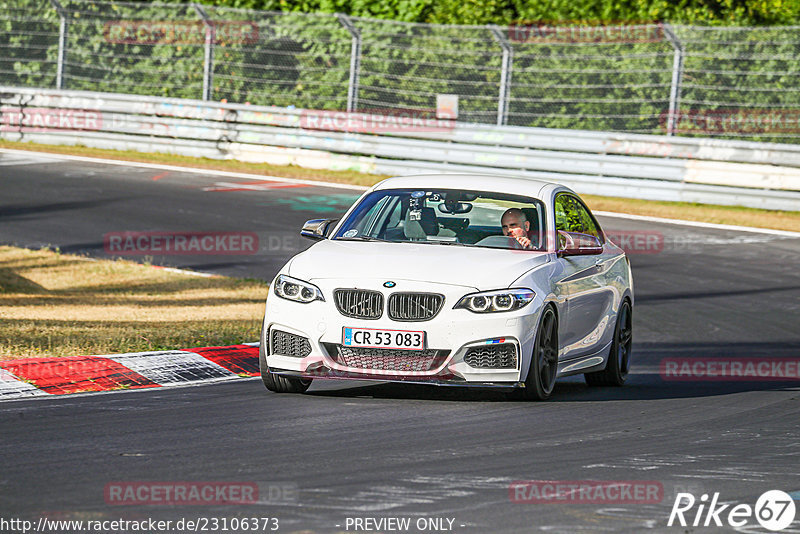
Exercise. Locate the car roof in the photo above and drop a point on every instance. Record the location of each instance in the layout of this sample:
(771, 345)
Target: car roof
(470, 182)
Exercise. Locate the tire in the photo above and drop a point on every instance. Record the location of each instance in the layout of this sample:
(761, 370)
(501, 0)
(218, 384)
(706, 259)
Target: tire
(543, 369)
(279, 384)
(619, 358)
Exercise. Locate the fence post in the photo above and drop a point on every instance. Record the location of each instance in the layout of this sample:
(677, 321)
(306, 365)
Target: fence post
(62, 43)
(355, 61)
(208, 59)
(505, 74)
(677, 75)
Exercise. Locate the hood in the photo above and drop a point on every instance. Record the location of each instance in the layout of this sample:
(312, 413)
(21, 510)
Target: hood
(479, 268)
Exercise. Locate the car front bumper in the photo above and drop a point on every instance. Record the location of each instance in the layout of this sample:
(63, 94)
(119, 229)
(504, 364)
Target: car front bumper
(461, 346)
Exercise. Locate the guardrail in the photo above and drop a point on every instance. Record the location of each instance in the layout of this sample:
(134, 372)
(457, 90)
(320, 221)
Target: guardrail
(763, 175)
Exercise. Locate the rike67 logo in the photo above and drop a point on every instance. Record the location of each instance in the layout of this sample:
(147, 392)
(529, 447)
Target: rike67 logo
(774, 510)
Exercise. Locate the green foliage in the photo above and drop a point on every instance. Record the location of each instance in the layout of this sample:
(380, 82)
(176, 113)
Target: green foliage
(294, 58)
(28, 31)
(722, 12)
(714, 12)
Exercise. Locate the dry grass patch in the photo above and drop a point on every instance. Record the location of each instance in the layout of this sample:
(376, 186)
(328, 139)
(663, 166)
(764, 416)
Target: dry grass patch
(54, 304)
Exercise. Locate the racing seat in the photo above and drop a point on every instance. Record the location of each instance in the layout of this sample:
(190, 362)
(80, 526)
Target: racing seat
(421, 229)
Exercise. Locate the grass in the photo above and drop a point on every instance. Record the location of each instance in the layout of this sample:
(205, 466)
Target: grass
(758, 218)
(54, 304)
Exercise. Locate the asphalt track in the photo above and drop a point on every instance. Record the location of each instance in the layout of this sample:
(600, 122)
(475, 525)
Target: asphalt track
(357, 450)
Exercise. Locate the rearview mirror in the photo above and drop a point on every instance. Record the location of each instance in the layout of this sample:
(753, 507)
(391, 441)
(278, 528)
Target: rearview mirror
(455, 207)
(317, 229)
(577, 244)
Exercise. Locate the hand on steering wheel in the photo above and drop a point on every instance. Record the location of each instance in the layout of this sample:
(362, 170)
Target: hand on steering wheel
(522, 239)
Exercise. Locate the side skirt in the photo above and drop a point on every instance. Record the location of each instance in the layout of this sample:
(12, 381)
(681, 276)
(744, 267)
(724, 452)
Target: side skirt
(585, 364)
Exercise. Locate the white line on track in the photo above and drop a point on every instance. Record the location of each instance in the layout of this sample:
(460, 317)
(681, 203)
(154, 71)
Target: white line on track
(176, 168)
(23, 159)
(697, 224)
(321, 183)
(175, 270)
(187, 272)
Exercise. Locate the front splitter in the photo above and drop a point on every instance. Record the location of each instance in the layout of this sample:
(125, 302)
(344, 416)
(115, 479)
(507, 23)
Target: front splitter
(437, 380)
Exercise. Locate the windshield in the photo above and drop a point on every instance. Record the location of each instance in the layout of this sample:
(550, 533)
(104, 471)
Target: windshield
(447, 216)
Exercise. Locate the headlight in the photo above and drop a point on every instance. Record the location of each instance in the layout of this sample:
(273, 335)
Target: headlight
(496, 301)
(297, 290)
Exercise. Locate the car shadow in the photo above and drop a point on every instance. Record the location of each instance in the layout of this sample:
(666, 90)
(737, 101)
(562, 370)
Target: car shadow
(638, 388)
(647, 380)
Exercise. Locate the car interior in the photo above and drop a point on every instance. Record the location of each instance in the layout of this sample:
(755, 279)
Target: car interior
(428, 223)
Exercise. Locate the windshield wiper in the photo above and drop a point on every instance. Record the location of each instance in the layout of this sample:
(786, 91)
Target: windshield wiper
(456, 243)
(420, 242)
(363, 238)
(437, 242)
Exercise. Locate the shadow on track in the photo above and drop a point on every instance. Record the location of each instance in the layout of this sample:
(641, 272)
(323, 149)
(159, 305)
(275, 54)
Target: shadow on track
(640, 387)
(711, 294)
(17, 211)
(647, 383)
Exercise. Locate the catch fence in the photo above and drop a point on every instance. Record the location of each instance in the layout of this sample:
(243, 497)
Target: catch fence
(654, 78)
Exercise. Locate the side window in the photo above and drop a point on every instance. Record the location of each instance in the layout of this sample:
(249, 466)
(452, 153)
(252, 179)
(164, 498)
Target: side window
(572, 216)
(567, 218)
(561, 217)
(589, 226)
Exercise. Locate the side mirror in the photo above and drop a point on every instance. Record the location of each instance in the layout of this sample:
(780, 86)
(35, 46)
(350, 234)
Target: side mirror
(317, 229)
(576, 244)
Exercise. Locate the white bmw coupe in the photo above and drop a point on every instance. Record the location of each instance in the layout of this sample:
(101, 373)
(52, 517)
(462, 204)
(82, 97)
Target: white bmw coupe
(454, 280)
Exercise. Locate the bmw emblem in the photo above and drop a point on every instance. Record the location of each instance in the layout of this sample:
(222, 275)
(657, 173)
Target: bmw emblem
(389, 284)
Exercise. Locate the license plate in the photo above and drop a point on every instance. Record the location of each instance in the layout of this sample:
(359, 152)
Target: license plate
(377, 338)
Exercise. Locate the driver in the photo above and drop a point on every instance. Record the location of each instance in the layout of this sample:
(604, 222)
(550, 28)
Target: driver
(516, 225)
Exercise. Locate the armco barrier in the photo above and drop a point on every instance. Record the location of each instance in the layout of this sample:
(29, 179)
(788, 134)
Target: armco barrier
(638, 166)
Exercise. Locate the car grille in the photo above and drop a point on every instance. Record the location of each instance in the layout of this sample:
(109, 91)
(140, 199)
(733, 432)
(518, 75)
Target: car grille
(414, 306)
(387, 359)
(359, 303)
(502, 356)
(288, 344)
